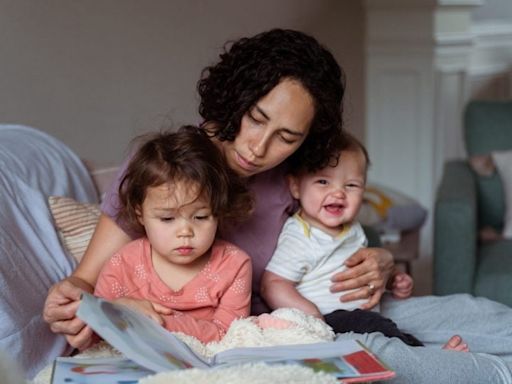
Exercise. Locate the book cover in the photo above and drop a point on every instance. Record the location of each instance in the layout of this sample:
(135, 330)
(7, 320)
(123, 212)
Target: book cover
(147, 343)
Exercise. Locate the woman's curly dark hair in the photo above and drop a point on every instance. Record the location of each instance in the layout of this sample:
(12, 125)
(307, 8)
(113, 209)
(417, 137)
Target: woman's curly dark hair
(251, 67)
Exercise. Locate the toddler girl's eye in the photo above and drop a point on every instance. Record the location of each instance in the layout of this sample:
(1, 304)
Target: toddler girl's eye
(322, 181)
(166, 219)
(202, 217)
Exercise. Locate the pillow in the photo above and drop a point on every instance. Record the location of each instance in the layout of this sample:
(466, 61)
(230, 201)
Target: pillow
(75, 223)
(389, 210)
(503, 161)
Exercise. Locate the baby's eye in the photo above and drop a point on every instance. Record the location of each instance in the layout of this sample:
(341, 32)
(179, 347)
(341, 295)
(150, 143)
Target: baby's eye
(166, 219)
(322, 181)
(202, 217)
(354, 186)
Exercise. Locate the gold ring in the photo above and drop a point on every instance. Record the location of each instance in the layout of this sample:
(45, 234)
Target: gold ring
(371, 289)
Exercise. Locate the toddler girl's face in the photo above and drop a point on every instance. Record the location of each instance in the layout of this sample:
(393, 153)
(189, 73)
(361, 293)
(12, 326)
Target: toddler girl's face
(332, 196)
(179, 225)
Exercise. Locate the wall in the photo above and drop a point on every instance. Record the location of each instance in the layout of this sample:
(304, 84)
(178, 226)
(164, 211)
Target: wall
(95, 73)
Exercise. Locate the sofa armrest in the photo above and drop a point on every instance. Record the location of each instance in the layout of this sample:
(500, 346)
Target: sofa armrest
(455, 230)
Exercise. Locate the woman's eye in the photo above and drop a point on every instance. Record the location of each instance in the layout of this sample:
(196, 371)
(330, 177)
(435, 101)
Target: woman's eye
(254, 119)
(286, 139)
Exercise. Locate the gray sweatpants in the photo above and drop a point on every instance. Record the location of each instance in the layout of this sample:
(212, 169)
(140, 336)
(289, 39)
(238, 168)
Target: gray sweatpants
(484, 324)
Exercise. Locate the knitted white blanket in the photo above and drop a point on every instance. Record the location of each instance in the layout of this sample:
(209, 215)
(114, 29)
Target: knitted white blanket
(241, 333)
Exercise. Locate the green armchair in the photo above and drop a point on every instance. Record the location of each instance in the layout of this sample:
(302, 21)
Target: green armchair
(466, 202)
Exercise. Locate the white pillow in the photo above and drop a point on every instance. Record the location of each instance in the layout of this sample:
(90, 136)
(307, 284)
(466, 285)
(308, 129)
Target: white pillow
(503, 161)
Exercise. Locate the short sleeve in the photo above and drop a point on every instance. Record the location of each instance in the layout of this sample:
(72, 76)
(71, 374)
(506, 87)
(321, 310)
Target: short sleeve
(291, 259)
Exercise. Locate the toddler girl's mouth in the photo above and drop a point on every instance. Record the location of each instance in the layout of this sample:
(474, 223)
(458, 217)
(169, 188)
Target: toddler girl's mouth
(184, 250)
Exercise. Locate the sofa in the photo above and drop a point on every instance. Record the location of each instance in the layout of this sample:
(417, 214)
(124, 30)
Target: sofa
(473, 206)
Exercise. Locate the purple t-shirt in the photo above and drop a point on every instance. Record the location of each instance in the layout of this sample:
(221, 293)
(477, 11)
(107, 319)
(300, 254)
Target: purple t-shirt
(257, 236)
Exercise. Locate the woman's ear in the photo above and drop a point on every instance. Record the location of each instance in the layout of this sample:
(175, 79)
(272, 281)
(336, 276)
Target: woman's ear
(293, 184)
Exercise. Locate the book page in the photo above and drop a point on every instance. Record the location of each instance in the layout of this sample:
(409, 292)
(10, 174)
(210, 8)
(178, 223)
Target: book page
(287, 352)
(152, 346)
(137, 336)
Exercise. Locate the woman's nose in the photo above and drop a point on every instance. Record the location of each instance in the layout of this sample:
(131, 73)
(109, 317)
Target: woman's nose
(259, 145)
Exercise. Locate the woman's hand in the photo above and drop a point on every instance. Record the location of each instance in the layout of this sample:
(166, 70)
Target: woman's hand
(368, 271)
(60, 311)
(401, 285)
(152, 310)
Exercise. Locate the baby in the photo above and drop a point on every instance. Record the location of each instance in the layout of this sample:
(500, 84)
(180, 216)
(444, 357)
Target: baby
(319, 238)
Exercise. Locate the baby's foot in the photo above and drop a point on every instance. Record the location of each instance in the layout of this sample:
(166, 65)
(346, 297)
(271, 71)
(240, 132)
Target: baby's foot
(456, 344)
(266, 320)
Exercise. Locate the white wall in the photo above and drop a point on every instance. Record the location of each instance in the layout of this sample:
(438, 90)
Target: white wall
(95, 73)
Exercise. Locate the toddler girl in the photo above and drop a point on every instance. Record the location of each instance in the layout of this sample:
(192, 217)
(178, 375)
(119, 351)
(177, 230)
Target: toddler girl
(178, 189)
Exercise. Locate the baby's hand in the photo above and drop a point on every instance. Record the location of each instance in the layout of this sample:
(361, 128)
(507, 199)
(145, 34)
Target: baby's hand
(402, 285)
(146, 307)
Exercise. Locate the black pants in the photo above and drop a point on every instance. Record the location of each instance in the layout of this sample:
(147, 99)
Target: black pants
(361, 321)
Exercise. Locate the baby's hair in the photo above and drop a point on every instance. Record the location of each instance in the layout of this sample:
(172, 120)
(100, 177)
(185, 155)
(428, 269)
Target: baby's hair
(186, 155)
(344, 142)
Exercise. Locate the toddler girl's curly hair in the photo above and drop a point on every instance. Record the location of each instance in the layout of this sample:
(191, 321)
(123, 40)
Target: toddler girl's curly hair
(187, 155)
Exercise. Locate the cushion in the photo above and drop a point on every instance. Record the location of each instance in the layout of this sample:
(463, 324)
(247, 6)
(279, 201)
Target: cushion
(503, 161)
(387, 209)
(75, 223)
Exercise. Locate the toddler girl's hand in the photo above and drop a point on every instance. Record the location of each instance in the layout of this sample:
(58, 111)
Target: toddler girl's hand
(402, 285)
(152, 310)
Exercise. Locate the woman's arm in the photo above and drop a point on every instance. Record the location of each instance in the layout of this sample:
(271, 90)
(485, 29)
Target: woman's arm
(107, 239)
(367, 266)
(63, 298)
(279, 292)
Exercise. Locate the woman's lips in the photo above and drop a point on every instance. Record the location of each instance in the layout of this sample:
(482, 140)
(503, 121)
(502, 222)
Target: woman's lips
(244, 163)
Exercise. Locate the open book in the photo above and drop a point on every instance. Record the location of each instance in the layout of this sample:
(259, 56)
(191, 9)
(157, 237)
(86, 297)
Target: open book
(152, 346)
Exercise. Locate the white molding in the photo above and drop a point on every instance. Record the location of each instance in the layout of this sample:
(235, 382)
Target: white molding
(461, 3)
(418, 54)
(386, 4)
(492, 49)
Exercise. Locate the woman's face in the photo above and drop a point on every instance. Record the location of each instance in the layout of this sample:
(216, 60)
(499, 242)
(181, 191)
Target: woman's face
(271, 130)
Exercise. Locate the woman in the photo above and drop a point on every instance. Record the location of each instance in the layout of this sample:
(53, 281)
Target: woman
(271, 98)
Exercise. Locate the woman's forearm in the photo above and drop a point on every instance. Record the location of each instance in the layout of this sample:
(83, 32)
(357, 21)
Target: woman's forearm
(107, 239)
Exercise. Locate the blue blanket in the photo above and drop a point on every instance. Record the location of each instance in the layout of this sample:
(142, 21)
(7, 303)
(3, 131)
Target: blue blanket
(33, 166)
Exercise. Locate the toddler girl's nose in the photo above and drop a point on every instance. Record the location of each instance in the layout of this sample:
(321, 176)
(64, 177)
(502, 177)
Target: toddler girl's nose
(185, 229)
